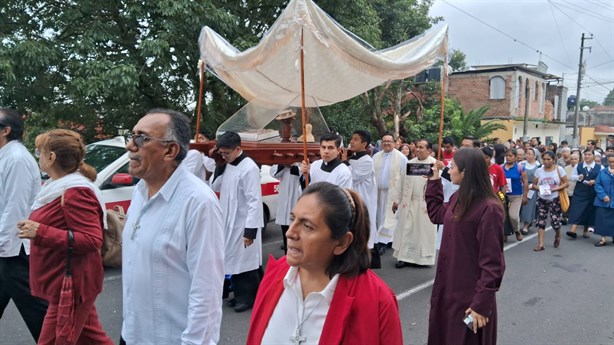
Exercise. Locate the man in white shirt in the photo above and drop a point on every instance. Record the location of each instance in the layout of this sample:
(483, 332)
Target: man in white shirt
(329, 168)
(173, 241)
(388, 164)
(238, 182)
(19, 183)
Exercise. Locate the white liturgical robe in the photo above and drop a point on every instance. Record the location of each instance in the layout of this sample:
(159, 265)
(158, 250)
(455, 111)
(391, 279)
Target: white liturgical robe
(363, 182)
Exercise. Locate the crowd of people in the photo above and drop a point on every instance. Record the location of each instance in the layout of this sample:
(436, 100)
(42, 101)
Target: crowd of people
(185, 249)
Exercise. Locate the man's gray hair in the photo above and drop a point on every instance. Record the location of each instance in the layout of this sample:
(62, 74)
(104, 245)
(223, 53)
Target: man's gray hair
(178, 130)
(565, 149)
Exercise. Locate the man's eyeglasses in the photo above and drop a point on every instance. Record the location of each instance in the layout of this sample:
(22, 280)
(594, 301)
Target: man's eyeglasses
(140, 139)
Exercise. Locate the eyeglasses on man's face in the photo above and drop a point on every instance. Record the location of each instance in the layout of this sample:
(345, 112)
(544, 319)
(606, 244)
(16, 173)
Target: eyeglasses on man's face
(140, 139)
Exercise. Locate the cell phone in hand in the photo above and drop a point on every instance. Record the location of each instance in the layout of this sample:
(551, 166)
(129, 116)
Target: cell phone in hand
(419, 169)
(468, 320)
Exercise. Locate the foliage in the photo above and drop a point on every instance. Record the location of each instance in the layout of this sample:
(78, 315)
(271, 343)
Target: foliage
(588, 103)
(101, 64)
(457, 60)
(609, 99)
(97, 66)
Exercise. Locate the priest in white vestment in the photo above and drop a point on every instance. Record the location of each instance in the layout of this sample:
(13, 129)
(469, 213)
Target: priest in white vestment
(388, 164)
(238, 182)
(415, 235)
(330, 168)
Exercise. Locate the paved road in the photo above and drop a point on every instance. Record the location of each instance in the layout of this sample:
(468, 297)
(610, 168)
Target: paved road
(561, 296)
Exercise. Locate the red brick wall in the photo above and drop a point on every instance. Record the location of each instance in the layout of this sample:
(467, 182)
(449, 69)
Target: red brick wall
(473, 91)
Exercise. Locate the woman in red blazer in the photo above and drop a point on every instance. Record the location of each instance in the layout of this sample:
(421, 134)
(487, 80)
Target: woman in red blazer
(322, 292)
(68, 201)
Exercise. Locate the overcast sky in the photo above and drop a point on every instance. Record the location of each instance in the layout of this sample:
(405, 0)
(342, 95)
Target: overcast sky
(482, 28)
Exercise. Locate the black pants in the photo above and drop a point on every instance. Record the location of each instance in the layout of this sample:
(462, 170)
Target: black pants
(245, 286)
(15, 285)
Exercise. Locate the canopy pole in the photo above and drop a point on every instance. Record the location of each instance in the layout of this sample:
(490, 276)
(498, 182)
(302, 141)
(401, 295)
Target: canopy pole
(444, 75)
(303, 108)
(200, 98)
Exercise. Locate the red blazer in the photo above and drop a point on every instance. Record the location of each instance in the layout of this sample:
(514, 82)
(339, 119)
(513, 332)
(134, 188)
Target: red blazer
(82, 214)
(363, 311)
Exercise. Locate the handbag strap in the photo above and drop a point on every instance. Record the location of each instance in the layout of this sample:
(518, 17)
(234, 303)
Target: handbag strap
(558, 172)
(71, 240)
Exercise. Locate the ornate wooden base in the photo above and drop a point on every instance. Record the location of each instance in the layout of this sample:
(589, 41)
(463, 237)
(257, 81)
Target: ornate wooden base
(269, 153)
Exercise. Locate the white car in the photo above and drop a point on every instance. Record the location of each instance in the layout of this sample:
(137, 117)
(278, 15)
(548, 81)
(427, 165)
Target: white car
(110, 159)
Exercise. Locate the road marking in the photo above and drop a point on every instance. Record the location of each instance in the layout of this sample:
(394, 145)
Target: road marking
(407, 293)
(111, 278)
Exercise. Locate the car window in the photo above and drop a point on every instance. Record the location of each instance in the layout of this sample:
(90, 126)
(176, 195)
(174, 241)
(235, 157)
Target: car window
(100, 156)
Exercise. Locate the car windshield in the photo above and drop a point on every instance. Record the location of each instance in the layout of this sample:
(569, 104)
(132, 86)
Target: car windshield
(100, 156)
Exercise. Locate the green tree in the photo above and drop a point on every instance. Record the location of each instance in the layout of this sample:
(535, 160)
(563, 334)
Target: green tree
(98, 65)
(609, 99)
(457, 60)
(588, 103)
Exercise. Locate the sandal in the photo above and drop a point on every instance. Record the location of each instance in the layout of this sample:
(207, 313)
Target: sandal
(601, 243)
(538, 248)
(524, 231)
(571, 234)
(518, 236)
(557, 241)
(586, 235)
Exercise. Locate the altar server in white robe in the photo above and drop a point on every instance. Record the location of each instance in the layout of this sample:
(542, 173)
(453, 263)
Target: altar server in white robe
(388, 165)
(415, 235)
(363, 177)
(289, 191)
(238, 182)
(329, 168)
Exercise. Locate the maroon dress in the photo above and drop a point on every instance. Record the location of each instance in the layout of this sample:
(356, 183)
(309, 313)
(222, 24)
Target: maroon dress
(469, 268)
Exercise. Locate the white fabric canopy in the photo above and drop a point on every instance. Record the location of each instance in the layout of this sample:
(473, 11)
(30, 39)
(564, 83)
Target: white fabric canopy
(338, 66)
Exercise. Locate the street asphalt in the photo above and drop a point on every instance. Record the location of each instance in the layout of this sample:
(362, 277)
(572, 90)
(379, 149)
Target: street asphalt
(561, 296)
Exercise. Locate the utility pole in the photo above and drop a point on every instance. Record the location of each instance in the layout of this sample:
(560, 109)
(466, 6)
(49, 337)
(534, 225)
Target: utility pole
(580, 72)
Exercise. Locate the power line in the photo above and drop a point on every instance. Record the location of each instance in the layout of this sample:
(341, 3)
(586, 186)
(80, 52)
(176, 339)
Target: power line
(558, 29)
(585, 11)
(509, 36)
(573, 20)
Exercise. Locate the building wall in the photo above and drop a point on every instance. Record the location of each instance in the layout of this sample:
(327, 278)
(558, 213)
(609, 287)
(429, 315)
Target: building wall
(586, 133)
(473, 91)
(503, 134)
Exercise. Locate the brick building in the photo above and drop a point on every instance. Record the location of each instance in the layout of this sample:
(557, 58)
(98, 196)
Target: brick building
(514, 93)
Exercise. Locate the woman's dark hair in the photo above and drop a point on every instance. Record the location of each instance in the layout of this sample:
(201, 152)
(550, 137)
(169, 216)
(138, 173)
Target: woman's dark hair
(69, 150)
(499, 153)
(555, 146)
(342, 215)
(476, 185)
(549, 153)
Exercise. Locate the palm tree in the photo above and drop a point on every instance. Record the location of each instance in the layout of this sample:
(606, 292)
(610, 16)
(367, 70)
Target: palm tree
(471, 124)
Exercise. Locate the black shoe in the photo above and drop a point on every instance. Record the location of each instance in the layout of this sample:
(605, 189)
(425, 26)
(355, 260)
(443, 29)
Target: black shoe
(242, 307)
(401, 264)
(232, 303)
(571, 234)
(389, 245)
(381, 249)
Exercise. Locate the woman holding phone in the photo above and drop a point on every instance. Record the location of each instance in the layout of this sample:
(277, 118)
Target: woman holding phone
(470, 266)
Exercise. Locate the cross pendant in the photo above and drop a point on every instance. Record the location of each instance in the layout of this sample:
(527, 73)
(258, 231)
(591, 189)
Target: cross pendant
(297, 338)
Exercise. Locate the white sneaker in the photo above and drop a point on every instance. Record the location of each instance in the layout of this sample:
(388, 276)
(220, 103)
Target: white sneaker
(591, 229)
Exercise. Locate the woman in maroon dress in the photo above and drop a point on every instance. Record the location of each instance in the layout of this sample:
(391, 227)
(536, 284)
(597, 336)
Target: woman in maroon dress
(470, 265)
(68, 201)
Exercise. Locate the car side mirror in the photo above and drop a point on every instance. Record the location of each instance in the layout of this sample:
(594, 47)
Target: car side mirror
(122, 179)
